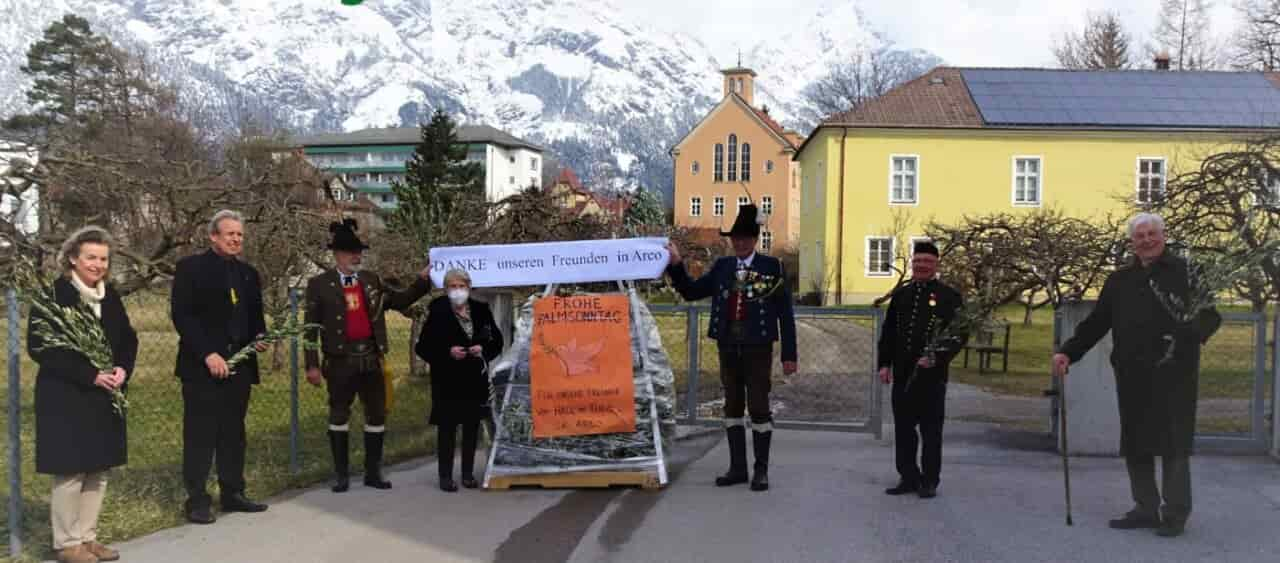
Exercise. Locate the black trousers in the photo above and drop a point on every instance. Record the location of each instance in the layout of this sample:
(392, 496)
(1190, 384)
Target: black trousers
(348, 377)
(446, 442)
(921, 409)
(213, 414)
(745, 370)
(1175, 475)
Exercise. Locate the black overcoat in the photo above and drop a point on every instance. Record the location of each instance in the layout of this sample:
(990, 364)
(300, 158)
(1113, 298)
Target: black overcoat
(917, 311)
(1156, 390)
(459, 388)
(77, 429)
(201, 309)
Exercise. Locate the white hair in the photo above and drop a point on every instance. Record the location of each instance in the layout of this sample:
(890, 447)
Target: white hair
(457, 274)
(221, 216)
(1145, 219)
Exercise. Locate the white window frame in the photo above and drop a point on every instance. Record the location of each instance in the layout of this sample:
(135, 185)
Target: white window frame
(695, 206)
(916, 192)
(866, 256)
(766, 205)
(768, 167)
(1013, 180)
(717, 206)
(1138, 176)
(533, 164)
(1271, 187)
(694, 168)
(766, 240)
(742, 200)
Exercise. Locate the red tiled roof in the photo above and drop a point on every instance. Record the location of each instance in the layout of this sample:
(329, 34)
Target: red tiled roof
(567, 176)
(939, 98)
(774, 125)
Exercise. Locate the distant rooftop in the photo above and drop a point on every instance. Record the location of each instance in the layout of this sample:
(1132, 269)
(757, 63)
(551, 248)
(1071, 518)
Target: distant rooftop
(949, 97)
(412, 136)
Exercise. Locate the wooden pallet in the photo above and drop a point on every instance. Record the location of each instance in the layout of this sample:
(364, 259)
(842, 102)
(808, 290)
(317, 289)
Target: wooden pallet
(578, 480)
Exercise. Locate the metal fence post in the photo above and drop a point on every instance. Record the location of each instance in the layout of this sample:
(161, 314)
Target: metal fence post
(877, 388)
(1275, 388)
(293, 387)
(1257, 420)
(15, 429)
(691, 328)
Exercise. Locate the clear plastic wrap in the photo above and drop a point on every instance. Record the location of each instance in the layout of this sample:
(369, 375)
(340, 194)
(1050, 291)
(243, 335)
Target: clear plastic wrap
(516, 452)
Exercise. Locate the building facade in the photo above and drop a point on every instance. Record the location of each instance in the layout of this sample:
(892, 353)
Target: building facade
(738, 154)
(369, 160)
(958, 142)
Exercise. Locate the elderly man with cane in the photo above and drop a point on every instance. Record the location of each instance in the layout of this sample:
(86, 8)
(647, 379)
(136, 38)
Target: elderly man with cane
(1157, 365)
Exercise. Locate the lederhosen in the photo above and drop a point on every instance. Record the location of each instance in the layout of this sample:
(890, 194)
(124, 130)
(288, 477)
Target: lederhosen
(357, 372)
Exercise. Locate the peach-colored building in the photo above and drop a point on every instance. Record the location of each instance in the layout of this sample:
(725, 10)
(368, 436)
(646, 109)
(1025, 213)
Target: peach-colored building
(735, 155)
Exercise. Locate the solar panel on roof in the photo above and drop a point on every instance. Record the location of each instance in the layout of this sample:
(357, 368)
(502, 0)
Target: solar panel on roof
(1124, 98)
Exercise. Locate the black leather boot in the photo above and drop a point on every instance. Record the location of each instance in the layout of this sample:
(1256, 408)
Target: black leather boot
(760, 443)
(338, 444)
(737, 474)
(373, 461)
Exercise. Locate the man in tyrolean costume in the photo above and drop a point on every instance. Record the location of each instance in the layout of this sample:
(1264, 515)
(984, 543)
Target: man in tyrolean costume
(750, 309)
(918, 310)
(349, 304)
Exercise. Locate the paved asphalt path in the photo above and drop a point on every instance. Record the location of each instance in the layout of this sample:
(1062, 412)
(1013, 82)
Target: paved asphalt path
(1001, 500)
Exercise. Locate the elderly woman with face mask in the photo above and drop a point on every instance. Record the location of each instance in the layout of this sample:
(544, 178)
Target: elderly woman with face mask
(79, 435)
(458, 341)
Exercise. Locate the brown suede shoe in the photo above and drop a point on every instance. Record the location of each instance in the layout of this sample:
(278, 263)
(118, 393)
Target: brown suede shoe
(76, 554)
(102, 552)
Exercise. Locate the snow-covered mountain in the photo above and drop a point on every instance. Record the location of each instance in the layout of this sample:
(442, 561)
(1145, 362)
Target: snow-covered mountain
(608, 95)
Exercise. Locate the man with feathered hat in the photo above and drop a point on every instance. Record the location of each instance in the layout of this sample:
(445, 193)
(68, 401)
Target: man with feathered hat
(750, 310)
(349, 304)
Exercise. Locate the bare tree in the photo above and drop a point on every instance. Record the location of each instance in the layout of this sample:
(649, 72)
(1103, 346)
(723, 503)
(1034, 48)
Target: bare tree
(866, 74)
(1183, 32)
(1227, 205)
(1257, 41)
(1103, 44)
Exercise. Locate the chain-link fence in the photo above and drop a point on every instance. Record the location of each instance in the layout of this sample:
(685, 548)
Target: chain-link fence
(286, 427)
(834, 388)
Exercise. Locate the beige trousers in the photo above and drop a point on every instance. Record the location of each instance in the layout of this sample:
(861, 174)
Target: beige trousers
(74, 508)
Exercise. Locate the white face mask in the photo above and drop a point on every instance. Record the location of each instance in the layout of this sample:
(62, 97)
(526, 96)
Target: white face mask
(458, 296)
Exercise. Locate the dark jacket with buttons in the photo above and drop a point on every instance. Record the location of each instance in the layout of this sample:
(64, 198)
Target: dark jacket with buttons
(766, 321)
(327, 306)
(917, 311)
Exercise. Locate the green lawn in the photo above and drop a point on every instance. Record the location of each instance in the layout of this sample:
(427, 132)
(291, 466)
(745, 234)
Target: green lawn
(147, 494)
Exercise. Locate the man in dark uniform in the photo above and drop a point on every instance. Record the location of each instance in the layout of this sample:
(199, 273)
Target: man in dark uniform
(216, 307)
(349, 304)
(750, 309)
(917, 312)
(1157, 365)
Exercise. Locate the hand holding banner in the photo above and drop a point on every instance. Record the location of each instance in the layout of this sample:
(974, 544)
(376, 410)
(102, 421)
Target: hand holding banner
(579, 261)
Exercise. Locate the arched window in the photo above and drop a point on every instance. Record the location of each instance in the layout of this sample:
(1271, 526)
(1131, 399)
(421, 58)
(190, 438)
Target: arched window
(733, 158)
(717, 167)
(746, 162)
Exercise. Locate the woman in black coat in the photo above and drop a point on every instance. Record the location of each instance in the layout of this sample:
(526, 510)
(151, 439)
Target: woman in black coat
(459, 341)
(79, 434)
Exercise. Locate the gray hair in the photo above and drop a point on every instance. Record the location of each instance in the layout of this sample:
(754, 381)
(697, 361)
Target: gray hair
(457, 274)
(221, 216)
(1145, 219)
(71, 247)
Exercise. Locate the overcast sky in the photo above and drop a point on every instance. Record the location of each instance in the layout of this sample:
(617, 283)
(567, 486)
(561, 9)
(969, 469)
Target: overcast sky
(962, 32)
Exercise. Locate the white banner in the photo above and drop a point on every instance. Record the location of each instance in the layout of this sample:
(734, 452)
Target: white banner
(539, 263)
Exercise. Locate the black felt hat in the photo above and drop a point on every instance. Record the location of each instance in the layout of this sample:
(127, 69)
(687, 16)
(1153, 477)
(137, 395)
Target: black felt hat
(747, 224)
(344, 237)
(925, 247)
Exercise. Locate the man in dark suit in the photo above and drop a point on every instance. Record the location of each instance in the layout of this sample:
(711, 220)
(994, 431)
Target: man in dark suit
(750, 309)
(216, 307)
(349, 305)
(919, 309)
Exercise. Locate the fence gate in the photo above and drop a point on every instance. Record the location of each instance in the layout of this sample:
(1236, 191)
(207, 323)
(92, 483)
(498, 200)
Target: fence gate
(835, 388)
(1237, 397)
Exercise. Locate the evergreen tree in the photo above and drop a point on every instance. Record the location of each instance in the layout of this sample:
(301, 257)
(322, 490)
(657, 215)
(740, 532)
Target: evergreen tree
(439, 184)
(73, 70)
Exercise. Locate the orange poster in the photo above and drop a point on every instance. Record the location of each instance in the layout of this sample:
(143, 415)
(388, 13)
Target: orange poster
(580, 366)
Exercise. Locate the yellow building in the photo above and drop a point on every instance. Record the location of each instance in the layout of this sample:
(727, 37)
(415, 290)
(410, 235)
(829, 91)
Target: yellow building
(738, 154)
(962, 141)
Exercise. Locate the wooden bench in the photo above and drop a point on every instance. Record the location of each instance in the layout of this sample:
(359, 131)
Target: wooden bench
(985, 346)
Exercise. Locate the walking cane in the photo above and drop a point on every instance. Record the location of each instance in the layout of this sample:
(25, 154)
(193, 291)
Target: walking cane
(1061, 393)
